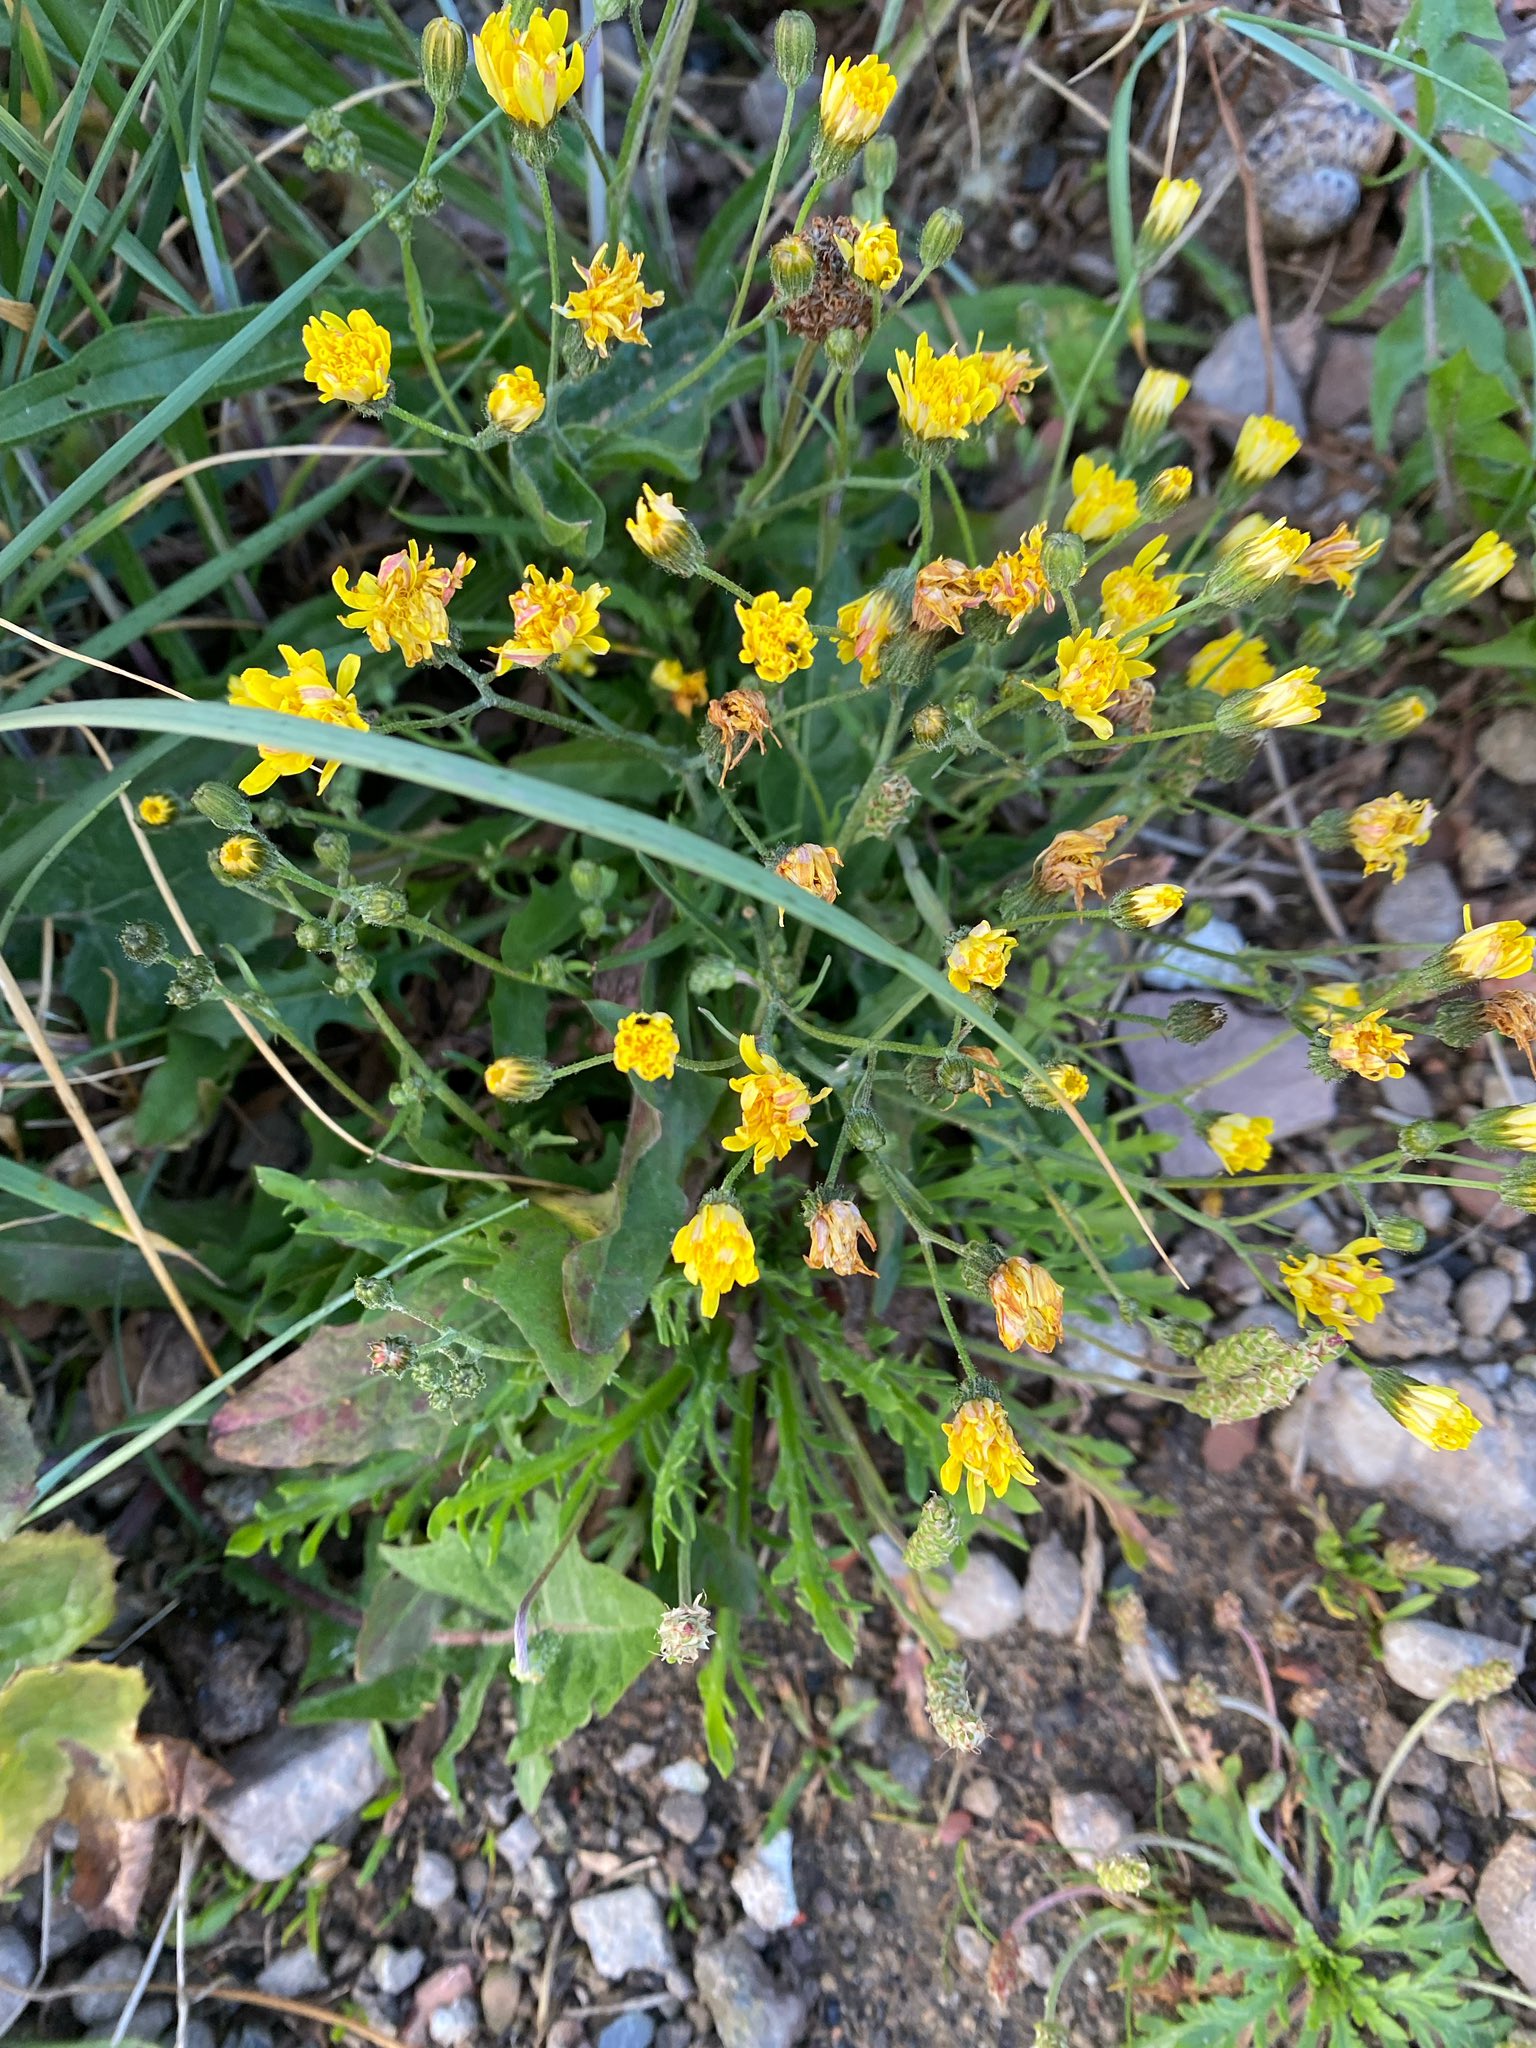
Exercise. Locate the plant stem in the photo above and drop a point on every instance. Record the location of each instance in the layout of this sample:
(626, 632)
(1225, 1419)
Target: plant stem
(925, 512)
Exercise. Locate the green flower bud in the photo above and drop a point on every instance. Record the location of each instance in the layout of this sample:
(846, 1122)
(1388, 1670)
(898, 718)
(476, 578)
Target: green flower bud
(374, 1294)
(794, 47)
(195, 983)
(1423, 1138)
(953, 1073)
(377, 905)
(845, 349)
(144, 944)
(1403, 1234)
(792, 267)
(448, 1374)
(1316, 643)
(1192, 1021)
(354, 973)
(866, 1133)
(711, 977)
(942, 233)
(444, 58)
(879, 167)
(1063, 559)
(1518, 1186)
(222, 806)
(313, 936)
(1395, 717)
(1329, 830)
(930, 726)
(592, 882)
(333, 850)
(271, 812)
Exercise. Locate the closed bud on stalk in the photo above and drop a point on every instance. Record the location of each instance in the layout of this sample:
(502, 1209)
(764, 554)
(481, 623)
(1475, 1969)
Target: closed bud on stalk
(866, 1133)
(1165, 492)
(1329, 830)
(1403, 1234)
(1518, 1186)
(195, 982)
(272, 812)
(942, 234)
(1395, 717)
(354, 973)
(792, 267)
(1362, 650)
(1422, 1138)
(931, 1542)
(1126, 1876)
(143, 944)
(311, 935)
(1484, 1681)
(950, 1712)
(953, 1073)
(921, 1076)
(518, 1080)
(930, 726)
(794, 47)
(592, 882)
(1192, 1021)
(333, 850)
(1063, 559)
(240, 858)
(222, 806)
(374, 1294)
(444, 56)
(683, 1634)
(447, 1374)
(711, 977)
(845, 349)
(378, 905)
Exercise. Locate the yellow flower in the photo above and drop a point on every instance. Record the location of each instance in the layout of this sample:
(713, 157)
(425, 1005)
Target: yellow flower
(776, 636)
(1136, 595)
(515, 400)
(347, 359)
(837, 1232)
(945, 589)
(980, 956)
(1342, 1288)
(514, 1079)
(611, 306)
(1241, 1143)
(1167, 491)
(1436, 1415)
(1398, 715)
(1027, 1303)
(741, 719)
(1291, 699)
(529, 73)
(1264, 446)
(304, 692)
(662, 530)
(156, 810)
(1337, 559)
(242, 856)
(1015, 584)
(1173, 201)
(1008, 372)
(1487, 562)
(688, 687)
(1254, 555)
(1487, 952)
(405, 602)
(810, 868)
(854, 98)
(1158, 394)
(940, 398)
(1092, 668)
(1151, 906)
(874, 254)
(1382, 830)
(551, 617)
(1072, 1081)
(716, 1252)
(1075, 860)
(863, 628)
(984, 1449)
(1369, 1048)
(775, 1108)
(1329, 997)
(1232, 663)
(645, 1043)
(1103, 503)
(1514, 1127)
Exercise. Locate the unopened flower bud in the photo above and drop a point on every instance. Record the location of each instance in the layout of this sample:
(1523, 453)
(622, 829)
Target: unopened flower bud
(1518, 1187)
(931, 1542)
(1191, 1021)
(1165, 493)
(866, 1133)
(591, 881)
(942, 234)
(272, 812)
(1317, 642)
(1403, 1234)
(222, 806)
(792, 266)
(1422, 1138)
(1063, 559)
(354, 974)
(950, 1712)
(683, 1634)
(373, 1293)
(953, 1073)
(312, 935)
(1481, 1682)
(1126, 1876)
(712, 976)
(1361, 650)
(794, 47)
(378, 905)
(845, 350)
(518, 1080)
(880, 167)
(240, 858)
(144, 944)
(1395, 717)
(444, 56)
(333, 850)
(930, 726)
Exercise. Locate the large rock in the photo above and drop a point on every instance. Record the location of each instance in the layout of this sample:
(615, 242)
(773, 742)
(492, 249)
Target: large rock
(1506, 1905)
(1485, 1495)
(291, 1789)
(1281, 1083)
(1424, 1656)
(748, 2009)
(1053, 1589)
(983, 1600)
(1507, 745)
(624, 1931)
(1416, 915)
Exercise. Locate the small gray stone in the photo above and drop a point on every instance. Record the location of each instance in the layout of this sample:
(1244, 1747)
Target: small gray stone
(1114, 1348)
(1506, 1905)
(686, 1775)
(983, 1796)
(501, 1996)
(1518, 1792)
(519, 1843)
(1311, 203)
(292, 1788)
(1416, 1321)
(434, 1882)
(638, 1757)
(984, 1599)
(1407, 1096)
(748, 2010)
(1231, 379)
(629, 2030)
(765, 1884)
(1483, 1299)
(395, 1970)
(99, 2011)
(1510, 1727)
(624, 1931)
(1417, 914)
(294, 1974)
(1053, 1588)
(451, 2025)
(1210, 960)
(1413, 1811)
(1421, 1770)
(1507, 745)
(1089, 1825)
(1424, 1656)
(973, 1951)
(684, 1816)
(18, 1962)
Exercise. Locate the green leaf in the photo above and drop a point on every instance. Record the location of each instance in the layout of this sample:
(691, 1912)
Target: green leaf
(403, 1695)
(568, 511)
(321, 1405)
(56, 1592)
(48, 1717)
(526, 1283)
(18, 1462)
(608, 1279)
(351, 1210)
(397, 1627)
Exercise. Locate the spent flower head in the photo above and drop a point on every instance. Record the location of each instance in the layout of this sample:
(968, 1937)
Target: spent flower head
(684, 1633)
(716, 1252)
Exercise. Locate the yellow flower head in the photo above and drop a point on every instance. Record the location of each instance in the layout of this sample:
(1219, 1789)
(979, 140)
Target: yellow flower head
(1234, 662)
(515, 401)
(1382, 830)
(1515, 1127)
(156, 810)
(1173, 201)
(1157, 396)
(663, 530)
(405, 602)
(1241, 1143)
(776, 636)
(1369, 1048)
(1291, 699)
(1092, 668)
(1027, 1303)
(1337, 558)
(1264, 446)
(1103, 503)
(854, 99)
(1070, 1080)
(716, 1252)
(529, 73)
(1075, 860)
(1436, 1415)
(1253, 555)
(984, 1450)
(551, 617)
(610, 308)
(810, 867)
(1341, 1289)
(775, 1108)
(863, 628)
(838, 1233)
(646, 1044)
(1487, 562)
(1012, 373)
(514, 1079)
(1152, 905)
(347, 359)
(1400, 714)
(741, 719)
(242, 856)
(687, 687)
(1136, 595)
(945, 589)
(304, 692)
(1015, 584)
(1488, 952)
(1167, 491)
(1323, 1003)
(873, 255)
(981, 956)
(940, 398)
